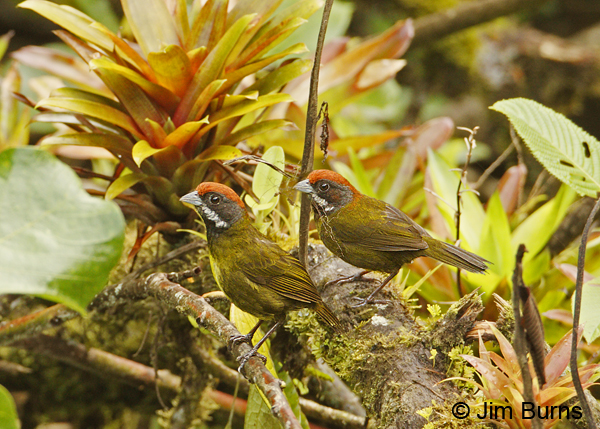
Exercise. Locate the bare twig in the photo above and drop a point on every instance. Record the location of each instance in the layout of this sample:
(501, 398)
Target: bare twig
(309, 137)
(576, 313)
(493, 166)
(177, 297)
(470, 142)
(519, 340)
(34, 323)
(435, 26)
(258, 159)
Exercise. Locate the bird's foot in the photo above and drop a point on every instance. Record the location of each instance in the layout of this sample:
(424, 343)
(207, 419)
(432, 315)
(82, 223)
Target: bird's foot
(237, 339)
(350, 279)
(361, 302)
(243, 359)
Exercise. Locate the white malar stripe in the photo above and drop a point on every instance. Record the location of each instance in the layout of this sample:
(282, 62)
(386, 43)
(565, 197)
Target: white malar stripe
(322, 203)
(211, 215)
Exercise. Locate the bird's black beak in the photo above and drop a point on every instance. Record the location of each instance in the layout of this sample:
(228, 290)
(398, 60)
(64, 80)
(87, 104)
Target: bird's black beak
(304, 186)
(192, 198)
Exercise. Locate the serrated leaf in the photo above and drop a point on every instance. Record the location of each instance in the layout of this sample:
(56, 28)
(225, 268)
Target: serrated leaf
(258, 413)
(56, 241)
(151, 23)
(9, 418)
(564, 149)
(219, 152)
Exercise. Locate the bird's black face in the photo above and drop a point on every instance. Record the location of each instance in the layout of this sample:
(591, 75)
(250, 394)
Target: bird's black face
(216, 209)
(328, 196)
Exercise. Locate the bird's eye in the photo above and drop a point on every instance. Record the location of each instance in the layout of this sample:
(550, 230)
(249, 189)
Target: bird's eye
(324, 187)
(215, 199)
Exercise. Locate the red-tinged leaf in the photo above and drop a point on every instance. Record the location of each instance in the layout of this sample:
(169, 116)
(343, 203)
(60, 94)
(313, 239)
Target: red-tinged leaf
(70, 19)
(79, 94)
(377, 72)
(510, 185)
(139, 105)
(188, 175)
(123, 183)
(163, 96)
(182, 23)
(340, 146)
(570, 271)
(95, 110)
(61, 65)
(158, 132)
(558, 359)
(495, 381)
(508, 352)
(555, 396)
(560, 315)
(262, 8)
(280, 78)
(209, 25)
(167, 160)
(183, 133)
(172, 67)
(210, 71)
(205, 98)
(502, 364)
(151, 23)
(86, 51)
(345, 67)
(264, 43)
(125, 51)
(256, 129)
(241, 109)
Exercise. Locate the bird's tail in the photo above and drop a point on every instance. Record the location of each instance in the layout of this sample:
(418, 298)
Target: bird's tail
(457, 257)
(328, 317)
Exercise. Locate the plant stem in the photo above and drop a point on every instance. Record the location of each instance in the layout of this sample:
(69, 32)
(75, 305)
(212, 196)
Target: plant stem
(312, 117)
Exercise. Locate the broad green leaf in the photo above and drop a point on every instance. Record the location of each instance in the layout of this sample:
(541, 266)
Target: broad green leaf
(495, 245)
(71, 20)
(258, 413)
(95, 110)
(56, 241)
(9, 418)
(291, 394)
(363, 179)
(280, 76)
(162, 95)
(267, 181)
(535, 231)
(172, 67)
(244, 322)
(122, 184)
(219, 152)
(151, 23)
(590, 316)
(445, 185)
(210, 70)
(564, 149)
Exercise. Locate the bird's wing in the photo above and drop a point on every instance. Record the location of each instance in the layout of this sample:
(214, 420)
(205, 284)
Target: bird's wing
(385, 229)
(282, 273)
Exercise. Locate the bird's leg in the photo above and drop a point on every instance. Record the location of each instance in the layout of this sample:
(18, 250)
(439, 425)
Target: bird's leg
(367, 300)
(254, 352)
(235, 339)
(349, 279)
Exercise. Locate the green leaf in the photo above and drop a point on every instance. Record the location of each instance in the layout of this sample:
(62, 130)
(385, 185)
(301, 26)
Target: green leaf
(151, 23)
(364, 182)
(590, 316)
(267, 181)
(142, 150)
(564, 149)
(71, 20)
(258, 413)
(56, 241)
(184, 133)
(219, 152)
(256, 129)
(4, 39)
(8, 410)
(123, 183)
(172, 67)
(280, 76)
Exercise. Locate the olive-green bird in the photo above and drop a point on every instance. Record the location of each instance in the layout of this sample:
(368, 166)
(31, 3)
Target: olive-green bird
(371, 234)
(257, 275)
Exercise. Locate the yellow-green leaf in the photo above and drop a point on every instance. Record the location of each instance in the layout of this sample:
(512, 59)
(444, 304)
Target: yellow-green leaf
(151, 23)
(142, 150)
(219, 152)
(70, 19)
(255, 129)
(184, 133)
(122, 184)
(267, 181)
(172, 67)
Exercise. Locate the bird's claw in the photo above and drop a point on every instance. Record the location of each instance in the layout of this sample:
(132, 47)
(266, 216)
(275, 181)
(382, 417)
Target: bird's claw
(243, 359)
(361, 302)
(237, 339)
(350, 279)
